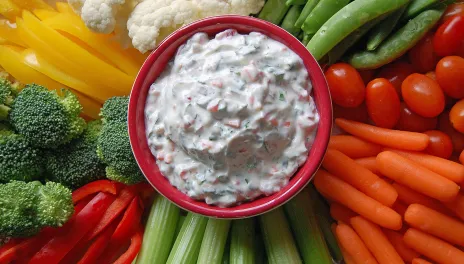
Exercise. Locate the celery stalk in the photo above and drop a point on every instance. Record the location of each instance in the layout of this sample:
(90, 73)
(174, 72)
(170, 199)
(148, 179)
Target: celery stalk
(242, 241)
(214, 241)
(260, 250)
(188, 242)
(226, 254)
(308, 235)
(159, 232)
(180, 221)
(278, 240)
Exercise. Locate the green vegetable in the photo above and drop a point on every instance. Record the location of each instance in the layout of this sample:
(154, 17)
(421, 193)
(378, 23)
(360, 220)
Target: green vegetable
(226, 254)
(159, 236)
(416, 7)
(188, 242)
(278, 240)
(18, 159)
(307, 38)
(382, 30)
(295, 2)
(76, 164)
(179, 224)
(290, 18)
(260, 250)
(398, 43)
(274, 11)
(347, 20)
(46, 119)
(324, 10)
(25, 208)
(305, 13)
(7, 94)
(301, 214)
(214, 241)
(242, 239)
(113, 146)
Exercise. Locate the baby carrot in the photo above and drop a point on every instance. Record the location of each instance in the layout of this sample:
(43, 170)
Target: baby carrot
(376, 241)
(359, 177)
(446, 168)
(345, 194)
(416, 177)
(346, 257)
(368, 163)
(354, 147)
(399, 207)
(435, 223)
(420, 261)
(385, 137)
(396, 239)
(353, 245)
(409, 196)
(341, 213)
(432, 247)
(457, 206)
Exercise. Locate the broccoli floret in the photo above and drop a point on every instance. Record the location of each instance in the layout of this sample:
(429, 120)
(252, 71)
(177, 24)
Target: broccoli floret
(7, 95)
(18, 159)
(113, 143)
(76, 163)
(25, 208)
(46, 119)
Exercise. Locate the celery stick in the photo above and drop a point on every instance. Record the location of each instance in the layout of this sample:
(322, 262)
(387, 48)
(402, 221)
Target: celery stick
(308, 235)
(159, 232)
(260, 251)
(188, 242)
(278, 240)
(242, 241)
(180, 221)
(214, 241)
(226, 254)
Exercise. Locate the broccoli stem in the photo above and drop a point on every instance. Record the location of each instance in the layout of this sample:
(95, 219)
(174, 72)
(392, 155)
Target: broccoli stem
(4, 111)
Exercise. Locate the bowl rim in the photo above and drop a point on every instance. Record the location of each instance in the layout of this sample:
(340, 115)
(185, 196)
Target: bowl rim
(309, 168)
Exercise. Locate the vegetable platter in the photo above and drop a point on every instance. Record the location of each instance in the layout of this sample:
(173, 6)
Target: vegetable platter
(388, 190)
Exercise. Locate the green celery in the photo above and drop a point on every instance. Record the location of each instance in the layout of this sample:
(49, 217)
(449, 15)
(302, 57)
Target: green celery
(214, 241)
(242, 241)
(180, 221)
(226, 254)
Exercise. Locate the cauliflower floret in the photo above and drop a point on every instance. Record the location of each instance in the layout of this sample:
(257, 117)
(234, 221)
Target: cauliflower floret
(222, 7)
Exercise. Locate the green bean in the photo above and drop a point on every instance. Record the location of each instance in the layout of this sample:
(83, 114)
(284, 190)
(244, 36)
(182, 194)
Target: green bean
(417, 6)
(290, 18)
(295, 2)
(274, 11)
(306, 11)
(382, 30)
(347, 20)
(324, 10)
(398, 43)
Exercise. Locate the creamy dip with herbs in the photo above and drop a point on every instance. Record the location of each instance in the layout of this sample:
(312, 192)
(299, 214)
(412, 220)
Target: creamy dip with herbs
(231, 118)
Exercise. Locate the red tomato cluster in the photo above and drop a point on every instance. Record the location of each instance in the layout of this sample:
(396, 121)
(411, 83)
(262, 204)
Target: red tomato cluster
(423, 92)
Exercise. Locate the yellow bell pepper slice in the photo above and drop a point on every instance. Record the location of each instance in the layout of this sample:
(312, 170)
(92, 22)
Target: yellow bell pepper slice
(9, 9)
(9, 32)
(43, 14)
(3, 41)
(64, 8)
(113, 76)
(33, 4)
(74, 26)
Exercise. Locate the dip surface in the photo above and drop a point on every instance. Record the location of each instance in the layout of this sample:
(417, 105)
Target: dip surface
(231, 118)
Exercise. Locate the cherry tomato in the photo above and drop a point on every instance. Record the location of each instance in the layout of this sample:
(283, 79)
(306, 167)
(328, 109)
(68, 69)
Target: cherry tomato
(423, 95)
(383, 103)
(445, 125)
(449, 36)
(410, 121)
(367, 75)
(396, 72)
(452, 10)
(345, 84)
(450, 76)
(440, 144)
(422, 56)
(456, 116)
(461, 157)
(431, 75)
(358, 113)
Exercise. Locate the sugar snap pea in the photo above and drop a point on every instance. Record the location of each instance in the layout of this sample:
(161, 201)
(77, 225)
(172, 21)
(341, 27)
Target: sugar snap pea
(295, 2)
(306, 11)
(398, 43)
(381, 31)
(273, 11)
(417, 6)
(324, 10)
(290, 18)
(347, 20)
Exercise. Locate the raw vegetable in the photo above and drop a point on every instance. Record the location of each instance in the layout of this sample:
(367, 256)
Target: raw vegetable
(395, 73)
(92, 188)
(347, 20)
(295, 2)
(416, 7)
(382, 30)
(420, 261)
(449, 36)
(345, 84)
(131, 253)
(324, 10)
(423, 95)
(422, 56)
(353, 244)
(413, 122)
(440, 144)
(242, 241)
(274, 11)
(396, 239)
(409, 196)
(354, 147)
(368, 163)
(306, 229)
(179, 224)
(397, 44)
(457, 206)
(383, 103)
(346, 256)
(449, 75)
(341, 213)
(7, 94)
(278, 240)
(214, 241)
(307, 9)
(290, 18)
(25, 208)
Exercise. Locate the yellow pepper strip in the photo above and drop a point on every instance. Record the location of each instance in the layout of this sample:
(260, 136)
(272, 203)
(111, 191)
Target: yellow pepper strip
(136, 55)
(64, 8)
(74, 26)
(43, 14)
(33, 4)
(9, 9)
(3, 41)
(9, 32)
(90, 107)
(113, 76)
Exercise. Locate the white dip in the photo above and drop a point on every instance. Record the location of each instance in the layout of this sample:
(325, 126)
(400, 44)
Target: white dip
(231, 118)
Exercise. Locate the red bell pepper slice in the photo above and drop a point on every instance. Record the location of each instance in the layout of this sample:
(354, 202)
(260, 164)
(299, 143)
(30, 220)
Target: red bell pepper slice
(62, 243)
(94, 187)
(129, 222)
(98, 246)
(116, 208)
(133, 250)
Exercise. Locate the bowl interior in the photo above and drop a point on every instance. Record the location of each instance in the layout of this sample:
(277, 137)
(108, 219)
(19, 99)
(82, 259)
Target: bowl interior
(156, 63)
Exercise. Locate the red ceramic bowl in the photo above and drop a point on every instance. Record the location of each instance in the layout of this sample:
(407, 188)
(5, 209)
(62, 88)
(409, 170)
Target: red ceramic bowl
(155, 64)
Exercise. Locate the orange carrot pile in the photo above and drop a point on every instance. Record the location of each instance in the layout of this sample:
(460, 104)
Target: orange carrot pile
(368, 163)
(353, 245)
(396, 239)
(354, 147)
